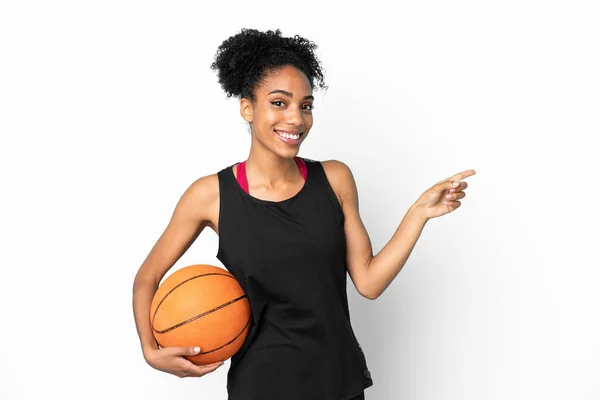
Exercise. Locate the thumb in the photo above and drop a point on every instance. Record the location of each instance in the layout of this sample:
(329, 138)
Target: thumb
(187, 351)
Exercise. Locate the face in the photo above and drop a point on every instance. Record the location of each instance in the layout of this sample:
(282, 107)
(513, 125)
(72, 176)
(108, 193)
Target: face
(283, 110)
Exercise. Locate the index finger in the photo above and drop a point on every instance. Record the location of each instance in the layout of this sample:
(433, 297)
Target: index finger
(462, 175)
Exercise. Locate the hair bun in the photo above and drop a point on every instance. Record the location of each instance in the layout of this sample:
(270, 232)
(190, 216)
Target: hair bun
(242, 59)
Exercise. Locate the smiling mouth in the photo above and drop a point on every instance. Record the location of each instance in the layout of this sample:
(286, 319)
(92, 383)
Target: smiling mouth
(289, 136)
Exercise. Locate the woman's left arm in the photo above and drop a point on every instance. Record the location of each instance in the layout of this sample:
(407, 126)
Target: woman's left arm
(370, 274)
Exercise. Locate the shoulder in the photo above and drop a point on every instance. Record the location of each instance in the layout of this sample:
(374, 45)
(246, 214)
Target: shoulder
(336, 169)
(335, 166)
(205, 187)
(202, 199)
(340, 178)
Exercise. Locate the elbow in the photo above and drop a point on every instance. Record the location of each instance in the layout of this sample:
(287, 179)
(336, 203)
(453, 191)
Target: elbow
(371, 295)
(366, 290)
(143, 278)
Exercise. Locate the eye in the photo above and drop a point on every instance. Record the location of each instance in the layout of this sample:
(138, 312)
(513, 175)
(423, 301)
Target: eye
(312, 107)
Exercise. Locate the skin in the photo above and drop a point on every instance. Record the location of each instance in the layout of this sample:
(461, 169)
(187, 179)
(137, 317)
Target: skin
(273, 175)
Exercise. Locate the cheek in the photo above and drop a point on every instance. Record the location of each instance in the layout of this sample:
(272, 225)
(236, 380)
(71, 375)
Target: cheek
(268, 117)
(308, 122)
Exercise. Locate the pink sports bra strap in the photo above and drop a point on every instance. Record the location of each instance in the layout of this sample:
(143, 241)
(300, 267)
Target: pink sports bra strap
(241, 176)
(302, 166)
(243, 179)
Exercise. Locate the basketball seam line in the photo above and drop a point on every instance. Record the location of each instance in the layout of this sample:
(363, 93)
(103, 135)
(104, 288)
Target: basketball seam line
(198, 316)
(179, 284)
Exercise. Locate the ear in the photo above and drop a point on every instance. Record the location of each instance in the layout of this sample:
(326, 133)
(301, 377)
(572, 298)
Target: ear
(246, 110)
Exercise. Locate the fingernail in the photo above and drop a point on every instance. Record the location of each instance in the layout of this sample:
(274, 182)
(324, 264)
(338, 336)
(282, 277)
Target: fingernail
(196, 349)
(455, 183)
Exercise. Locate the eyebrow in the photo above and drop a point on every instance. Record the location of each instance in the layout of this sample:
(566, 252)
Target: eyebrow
(290, 95)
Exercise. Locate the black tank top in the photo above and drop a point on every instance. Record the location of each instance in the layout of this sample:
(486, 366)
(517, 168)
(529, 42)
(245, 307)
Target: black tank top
(290, 259)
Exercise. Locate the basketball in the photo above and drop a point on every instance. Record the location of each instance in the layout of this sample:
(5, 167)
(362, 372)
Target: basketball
(201, 305)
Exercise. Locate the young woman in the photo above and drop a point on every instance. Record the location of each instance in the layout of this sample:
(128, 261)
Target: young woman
(290, 231)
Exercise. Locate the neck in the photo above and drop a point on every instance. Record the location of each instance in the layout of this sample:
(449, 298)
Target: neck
(269, 169)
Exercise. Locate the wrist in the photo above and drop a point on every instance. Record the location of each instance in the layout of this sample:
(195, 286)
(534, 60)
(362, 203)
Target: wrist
(418, 212)
(147, 350)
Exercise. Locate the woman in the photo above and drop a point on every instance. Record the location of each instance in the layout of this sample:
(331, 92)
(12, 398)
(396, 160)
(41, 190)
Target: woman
(289, 231)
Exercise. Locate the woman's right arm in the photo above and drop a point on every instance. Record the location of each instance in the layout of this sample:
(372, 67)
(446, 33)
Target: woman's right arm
(190, 217)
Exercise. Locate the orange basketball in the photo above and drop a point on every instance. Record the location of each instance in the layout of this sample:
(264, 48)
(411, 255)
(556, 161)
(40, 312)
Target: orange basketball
(201, 305)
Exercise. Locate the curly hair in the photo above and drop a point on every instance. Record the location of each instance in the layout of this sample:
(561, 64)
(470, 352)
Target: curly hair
(243, 60)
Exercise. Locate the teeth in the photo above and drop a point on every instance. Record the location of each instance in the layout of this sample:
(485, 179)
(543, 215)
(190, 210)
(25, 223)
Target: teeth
(287, 135)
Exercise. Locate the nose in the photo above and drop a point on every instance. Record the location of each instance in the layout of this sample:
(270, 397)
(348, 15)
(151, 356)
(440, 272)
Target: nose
(294, 117)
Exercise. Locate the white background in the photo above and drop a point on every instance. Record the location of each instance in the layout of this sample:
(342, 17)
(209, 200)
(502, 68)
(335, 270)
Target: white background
(109, 110)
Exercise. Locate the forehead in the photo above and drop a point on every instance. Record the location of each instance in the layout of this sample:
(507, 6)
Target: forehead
(288, 78)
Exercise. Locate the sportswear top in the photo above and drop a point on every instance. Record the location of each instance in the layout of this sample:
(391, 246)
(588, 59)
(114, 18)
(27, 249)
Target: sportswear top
(289, 257)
